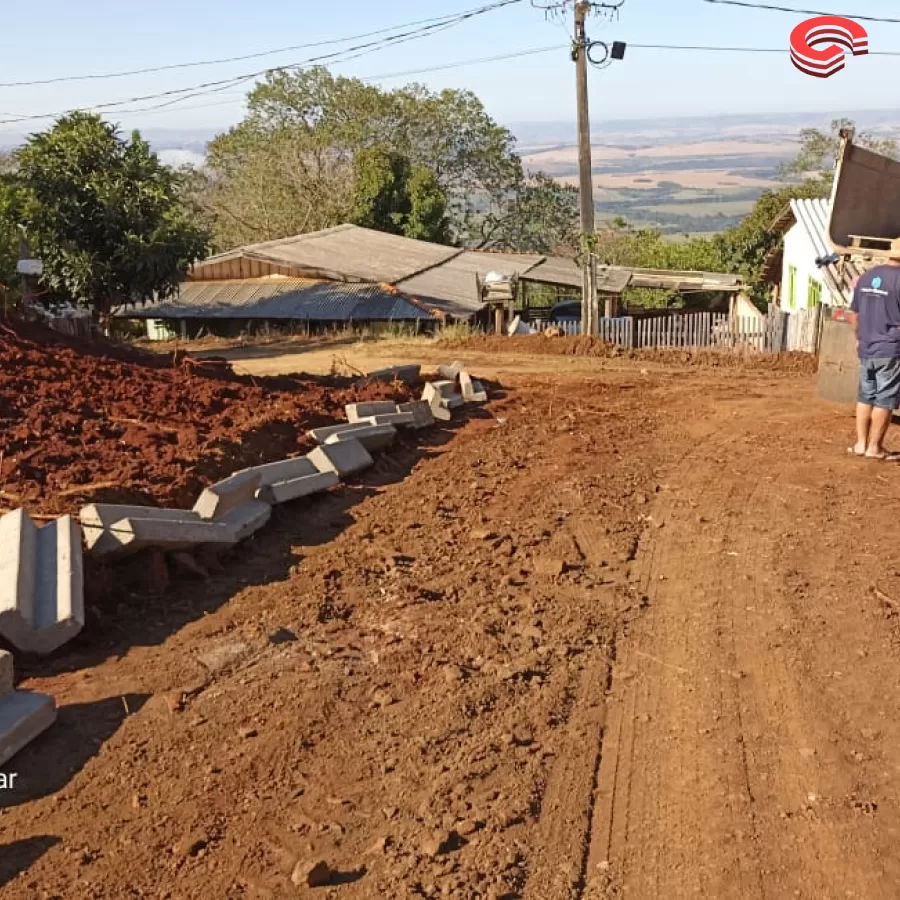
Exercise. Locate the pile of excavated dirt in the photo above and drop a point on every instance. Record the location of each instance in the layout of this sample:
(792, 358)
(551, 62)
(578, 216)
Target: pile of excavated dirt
(104, 423)
(540, 345)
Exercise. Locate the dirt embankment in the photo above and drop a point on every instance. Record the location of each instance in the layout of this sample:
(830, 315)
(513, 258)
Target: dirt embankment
(539, 345)
(102, 422)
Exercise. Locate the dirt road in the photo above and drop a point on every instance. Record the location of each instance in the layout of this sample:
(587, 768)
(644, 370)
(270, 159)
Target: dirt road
(621, 635)
(752, 746)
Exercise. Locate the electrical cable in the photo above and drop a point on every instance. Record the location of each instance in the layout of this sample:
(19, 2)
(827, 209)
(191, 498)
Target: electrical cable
(804, 12)
(453, 65)
(219, 87)
(337, 56)
(737, 49)
(99, 76)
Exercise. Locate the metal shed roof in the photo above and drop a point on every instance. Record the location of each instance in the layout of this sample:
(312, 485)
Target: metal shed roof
(347, 252)
(288, 298)
(614, 279)
(451, 287)
(560, 271)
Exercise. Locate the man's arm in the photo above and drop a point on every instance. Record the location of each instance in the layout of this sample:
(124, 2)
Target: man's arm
(853, 312)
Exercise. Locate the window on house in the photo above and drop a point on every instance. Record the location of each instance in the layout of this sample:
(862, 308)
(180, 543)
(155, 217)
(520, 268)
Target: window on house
(792, 287)
(813, 293)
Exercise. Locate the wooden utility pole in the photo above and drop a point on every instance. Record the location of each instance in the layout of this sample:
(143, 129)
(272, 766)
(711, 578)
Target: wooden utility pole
(590, 310)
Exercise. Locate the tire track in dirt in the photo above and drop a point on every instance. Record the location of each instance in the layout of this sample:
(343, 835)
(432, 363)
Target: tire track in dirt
(562, 836)
(674, 688)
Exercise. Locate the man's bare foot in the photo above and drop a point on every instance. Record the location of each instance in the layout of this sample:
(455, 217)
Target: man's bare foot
(857, 450)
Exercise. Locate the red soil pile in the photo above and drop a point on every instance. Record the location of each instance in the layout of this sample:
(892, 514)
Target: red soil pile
(104, 423)
(540, 345)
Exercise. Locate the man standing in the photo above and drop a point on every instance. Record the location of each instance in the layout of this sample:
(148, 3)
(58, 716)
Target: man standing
(876, 303)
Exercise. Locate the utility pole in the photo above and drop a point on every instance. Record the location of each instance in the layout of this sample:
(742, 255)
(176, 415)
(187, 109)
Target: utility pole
(590, 309)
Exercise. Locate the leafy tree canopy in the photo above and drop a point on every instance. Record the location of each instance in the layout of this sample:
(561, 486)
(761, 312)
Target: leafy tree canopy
(538, 215)
(290, 166)
(393, 196)
(818, 151)
(104, 214)
(10, 217)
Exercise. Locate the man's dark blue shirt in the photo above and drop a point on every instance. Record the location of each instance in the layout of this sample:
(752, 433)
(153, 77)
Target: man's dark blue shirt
(876, 302)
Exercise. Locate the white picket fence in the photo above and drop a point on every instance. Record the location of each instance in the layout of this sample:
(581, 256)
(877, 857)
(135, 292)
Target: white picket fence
(776, 332)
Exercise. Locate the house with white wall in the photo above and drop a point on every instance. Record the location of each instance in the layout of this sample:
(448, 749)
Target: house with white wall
(802, 270)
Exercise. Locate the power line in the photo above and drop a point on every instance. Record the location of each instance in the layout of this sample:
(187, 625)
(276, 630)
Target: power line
(533, 51)
(337, 56)
(737, 49)
(230, 83)
(99, 76)
(805, 12)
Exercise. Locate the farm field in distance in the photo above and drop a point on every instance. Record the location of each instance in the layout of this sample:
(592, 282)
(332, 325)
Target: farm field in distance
(694, 176)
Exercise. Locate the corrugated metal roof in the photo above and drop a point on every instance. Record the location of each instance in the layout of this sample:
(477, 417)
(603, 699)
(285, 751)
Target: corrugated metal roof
(614, 279)
(289, 298)
(671, 279)
(346, 252)
(561, 271)
(452, 288)
(555, 270)
(812, 216)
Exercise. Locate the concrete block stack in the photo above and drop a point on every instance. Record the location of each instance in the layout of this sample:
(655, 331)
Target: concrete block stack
(455, 388)
(23, 715)
(442, 398)
(472, 391)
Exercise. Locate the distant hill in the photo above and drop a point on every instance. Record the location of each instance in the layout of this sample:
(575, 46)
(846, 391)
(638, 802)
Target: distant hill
(698, 174)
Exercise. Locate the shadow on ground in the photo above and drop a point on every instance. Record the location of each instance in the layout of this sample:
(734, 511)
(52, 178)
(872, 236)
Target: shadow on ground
(19, 856)
(63, 750)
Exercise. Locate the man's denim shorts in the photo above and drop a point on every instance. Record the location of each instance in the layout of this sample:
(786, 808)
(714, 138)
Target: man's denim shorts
(879, 383)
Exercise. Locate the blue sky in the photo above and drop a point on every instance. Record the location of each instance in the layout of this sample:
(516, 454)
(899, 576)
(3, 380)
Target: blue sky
(95, 36)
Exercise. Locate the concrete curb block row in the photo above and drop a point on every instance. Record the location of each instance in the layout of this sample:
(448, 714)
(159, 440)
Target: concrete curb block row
(41, 569)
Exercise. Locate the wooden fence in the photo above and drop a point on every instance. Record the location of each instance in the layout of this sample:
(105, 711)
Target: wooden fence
(775, 332)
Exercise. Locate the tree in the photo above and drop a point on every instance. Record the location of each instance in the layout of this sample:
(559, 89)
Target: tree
(391, 195)
(619, 244)
(539, 215)
(289, 166)
(104, 214)
(743, 249)
(10, 217)
(818, 151)
(427, 219)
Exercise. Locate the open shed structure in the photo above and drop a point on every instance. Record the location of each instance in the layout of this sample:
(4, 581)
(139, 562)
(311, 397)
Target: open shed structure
(349, 276)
